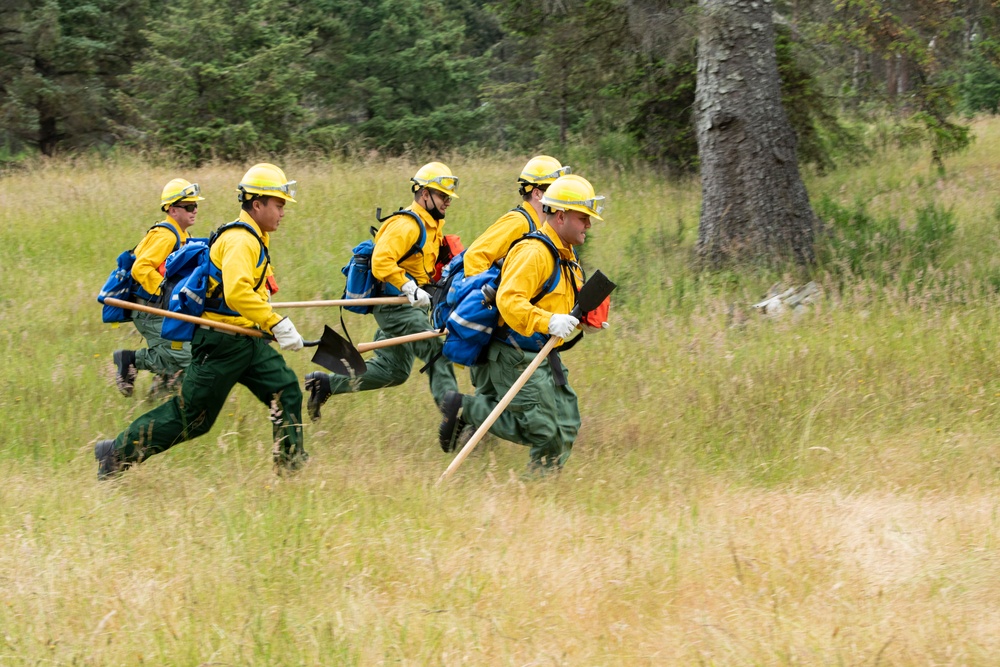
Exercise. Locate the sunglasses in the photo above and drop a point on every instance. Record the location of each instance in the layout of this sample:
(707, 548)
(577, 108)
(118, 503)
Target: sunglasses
(190, 208)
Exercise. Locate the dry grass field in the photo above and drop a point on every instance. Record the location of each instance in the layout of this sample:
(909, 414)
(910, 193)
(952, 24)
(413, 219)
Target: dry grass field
(819, 490)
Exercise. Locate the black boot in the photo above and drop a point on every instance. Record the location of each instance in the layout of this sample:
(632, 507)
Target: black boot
(452, 424)
(126, 371)
(318, 385)
(109, 463)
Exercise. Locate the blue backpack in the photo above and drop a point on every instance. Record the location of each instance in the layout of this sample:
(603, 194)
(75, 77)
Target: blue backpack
(361, 282)
(451, 289)
(121, 285)
(189, 269)
(473, 322)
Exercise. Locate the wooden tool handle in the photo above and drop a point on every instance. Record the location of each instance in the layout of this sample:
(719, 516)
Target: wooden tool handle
(222, 326)
(374, 301)
(399, 340)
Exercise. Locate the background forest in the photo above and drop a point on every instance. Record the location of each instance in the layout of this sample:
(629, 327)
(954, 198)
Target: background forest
(593, 79)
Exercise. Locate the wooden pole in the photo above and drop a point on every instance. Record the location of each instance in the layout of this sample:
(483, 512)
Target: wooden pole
(374, 301)
(222, 326)
(399, 340)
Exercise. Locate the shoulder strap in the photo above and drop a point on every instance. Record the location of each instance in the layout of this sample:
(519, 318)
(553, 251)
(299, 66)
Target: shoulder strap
(553, 279)
(265, 256)
(177, 243)
(527, 216)
(419, 245)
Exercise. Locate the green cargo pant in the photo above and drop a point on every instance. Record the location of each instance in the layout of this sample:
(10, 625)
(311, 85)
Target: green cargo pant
(220, 360)
(393, 365)
(543, 416)
(159, 356)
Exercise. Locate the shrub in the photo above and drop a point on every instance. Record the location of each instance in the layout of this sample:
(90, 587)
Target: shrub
(857, 244)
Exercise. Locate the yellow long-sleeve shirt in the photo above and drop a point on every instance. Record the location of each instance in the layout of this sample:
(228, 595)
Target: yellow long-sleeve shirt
(526, 269)
(395, 238)
(497, 239)
(236, 252)
(152, 251)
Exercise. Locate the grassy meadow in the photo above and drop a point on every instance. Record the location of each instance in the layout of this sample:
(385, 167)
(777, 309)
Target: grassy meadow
(817, 490)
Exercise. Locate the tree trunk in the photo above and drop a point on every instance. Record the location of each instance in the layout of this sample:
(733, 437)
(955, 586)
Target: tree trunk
(48, 134)
(754, 205)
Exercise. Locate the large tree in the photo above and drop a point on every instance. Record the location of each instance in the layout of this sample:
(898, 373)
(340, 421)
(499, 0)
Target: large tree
(59, 62)
(557, 73)
(221, 80)
(396, 74)
(754, 205)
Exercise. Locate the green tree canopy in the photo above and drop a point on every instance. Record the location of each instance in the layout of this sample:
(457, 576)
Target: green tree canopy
(221, 80)
(398, 73)
(59, 62)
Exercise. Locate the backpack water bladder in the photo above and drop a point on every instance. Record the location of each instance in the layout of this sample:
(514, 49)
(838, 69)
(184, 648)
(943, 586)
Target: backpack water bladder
(121, 285)
(361, 282)
(473, 321)
(189, 269)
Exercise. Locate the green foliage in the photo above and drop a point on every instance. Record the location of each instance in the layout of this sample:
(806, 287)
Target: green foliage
(556, 78)
(899, 61)
(822, 138)
(944, 136)
(602, 79)
(59, 60)
(858, 245)
(662, 99)
(398, 73)
(979, 88)
(232, 93)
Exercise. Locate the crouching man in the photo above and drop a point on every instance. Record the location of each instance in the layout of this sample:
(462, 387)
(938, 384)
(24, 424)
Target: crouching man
(544, 414)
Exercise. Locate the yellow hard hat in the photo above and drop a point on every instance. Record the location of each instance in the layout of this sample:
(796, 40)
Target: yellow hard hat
(542, 170)
(179, 190)
(574, 193)
(267, 180)
(437, 176)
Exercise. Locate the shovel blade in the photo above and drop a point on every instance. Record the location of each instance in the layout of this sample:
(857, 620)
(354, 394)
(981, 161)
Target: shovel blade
(593, 293)
(337, 355)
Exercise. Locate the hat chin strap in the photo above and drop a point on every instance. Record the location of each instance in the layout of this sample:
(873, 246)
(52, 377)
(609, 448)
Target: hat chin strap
(436, 212)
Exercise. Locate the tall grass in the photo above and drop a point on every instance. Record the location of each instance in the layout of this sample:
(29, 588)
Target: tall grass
(810, 490)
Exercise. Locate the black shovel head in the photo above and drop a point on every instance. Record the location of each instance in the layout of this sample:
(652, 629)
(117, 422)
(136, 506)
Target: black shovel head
(593, 293)
(335, 354)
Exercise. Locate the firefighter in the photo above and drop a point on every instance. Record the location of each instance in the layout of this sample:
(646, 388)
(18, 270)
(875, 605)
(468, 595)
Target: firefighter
(493, 244)
(167, 360)
(403, 266)
(544, 414)
(221, 359)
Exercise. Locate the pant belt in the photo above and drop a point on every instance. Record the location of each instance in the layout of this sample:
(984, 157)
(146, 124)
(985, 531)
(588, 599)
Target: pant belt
(222, 331)
(148, 302)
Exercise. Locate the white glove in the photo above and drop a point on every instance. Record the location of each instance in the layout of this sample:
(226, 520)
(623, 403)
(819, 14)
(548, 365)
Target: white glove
(562, 326)
(418, 297)
(286, 335)
(592, 330)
